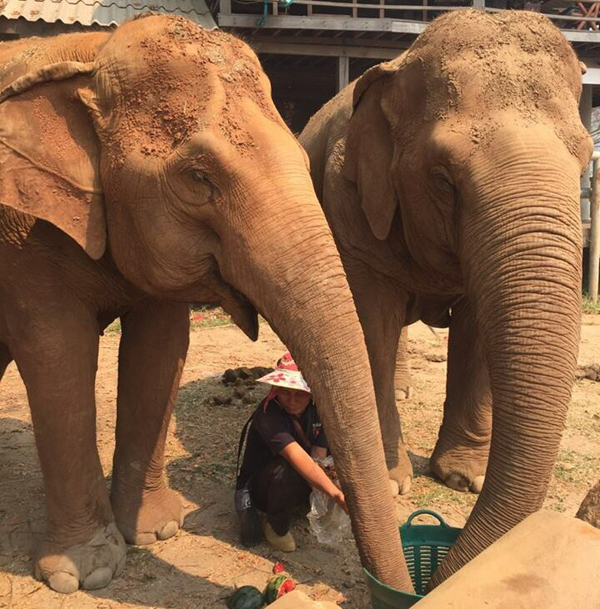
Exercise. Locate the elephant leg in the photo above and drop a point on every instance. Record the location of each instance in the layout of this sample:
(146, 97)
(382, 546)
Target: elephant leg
(381, 311)
(461, 452)
(5, 359)
(403, 382)
(57, 354)
(589, 510)
(154, 344)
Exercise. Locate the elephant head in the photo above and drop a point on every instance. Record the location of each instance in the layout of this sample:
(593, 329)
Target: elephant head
(468, 149)
(158, 149)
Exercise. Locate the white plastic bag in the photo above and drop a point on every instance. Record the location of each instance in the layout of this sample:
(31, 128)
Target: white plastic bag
(328, 521)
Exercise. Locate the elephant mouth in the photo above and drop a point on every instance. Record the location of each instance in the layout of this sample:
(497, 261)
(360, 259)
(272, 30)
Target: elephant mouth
(212, 288)
(240, 309)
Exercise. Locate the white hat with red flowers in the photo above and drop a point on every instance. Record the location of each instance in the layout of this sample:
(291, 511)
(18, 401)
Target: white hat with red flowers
(286, 375)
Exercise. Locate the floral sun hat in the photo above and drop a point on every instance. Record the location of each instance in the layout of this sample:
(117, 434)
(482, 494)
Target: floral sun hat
(286, 375)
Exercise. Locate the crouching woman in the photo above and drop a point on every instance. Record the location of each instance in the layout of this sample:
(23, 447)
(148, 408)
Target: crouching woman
(278, 469)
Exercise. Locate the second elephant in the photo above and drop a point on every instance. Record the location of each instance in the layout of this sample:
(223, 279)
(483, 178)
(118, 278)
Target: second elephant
(450, 178)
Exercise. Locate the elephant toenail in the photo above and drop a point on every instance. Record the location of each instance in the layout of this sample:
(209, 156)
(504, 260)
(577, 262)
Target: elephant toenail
(477, 484)
(62, 582)
(406, 485)
(458, 483)
(400, 394)
(144, 539)
(100, 578)
(394, 488)
(168, 530)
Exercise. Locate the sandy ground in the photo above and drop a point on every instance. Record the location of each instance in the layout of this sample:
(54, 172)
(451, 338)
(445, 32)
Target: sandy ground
(201, 565)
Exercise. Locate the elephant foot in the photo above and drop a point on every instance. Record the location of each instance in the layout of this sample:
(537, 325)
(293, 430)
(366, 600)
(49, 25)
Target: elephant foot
(400, 474)
(146, 517)
(589, 510)
(90, 565)
(460, 468)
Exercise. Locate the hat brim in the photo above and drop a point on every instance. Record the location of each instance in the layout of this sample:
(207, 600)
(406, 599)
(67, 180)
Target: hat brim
(289, 379)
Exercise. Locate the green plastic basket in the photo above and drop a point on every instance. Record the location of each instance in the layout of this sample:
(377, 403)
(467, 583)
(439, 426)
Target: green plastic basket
(425, 546)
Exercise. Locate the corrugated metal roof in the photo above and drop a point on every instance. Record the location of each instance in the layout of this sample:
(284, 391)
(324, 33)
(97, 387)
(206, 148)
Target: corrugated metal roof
(103, 12)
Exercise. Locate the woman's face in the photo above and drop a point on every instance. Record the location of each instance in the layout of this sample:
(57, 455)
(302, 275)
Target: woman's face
(293, 401)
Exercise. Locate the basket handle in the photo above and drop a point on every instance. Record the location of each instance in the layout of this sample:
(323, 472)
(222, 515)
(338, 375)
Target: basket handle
(428, 512)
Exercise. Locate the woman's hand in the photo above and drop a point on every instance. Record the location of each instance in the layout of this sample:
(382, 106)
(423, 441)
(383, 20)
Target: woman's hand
(340, 500)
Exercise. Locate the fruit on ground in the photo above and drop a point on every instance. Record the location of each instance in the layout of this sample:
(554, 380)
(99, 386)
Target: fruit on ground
(246, 597)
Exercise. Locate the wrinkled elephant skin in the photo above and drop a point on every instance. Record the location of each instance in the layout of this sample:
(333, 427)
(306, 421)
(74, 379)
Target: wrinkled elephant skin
(450, 178)
(141, 170)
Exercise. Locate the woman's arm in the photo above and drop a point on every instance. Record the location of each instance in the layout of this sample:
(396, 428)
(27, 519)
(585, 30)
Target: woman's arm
(302, 462)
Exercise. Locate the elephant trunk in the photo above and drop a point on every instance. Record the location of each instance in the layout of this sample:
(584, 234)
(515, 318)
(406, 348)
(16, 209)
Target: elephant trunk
(292, 274)
(521, 252)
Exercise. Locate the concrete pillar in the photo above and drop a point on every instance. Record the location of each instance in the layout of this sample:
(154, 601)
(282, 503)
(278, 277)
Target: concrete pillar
(585, 112)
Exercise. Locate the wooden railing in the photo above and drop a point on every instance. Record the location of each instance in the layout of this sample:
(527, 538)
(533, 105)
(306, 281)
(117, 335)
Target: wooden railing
(577, 15)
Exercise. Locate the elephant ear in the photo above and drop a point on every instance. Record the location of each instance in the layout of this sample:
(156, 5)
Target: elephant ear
(369, 150)
(49, 153)
(389, 102)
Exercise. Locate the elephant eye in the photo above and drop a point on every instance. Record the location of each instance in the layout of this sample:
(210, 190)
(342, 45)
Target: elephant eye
(442, 181)
(201, 181)
(199, 177)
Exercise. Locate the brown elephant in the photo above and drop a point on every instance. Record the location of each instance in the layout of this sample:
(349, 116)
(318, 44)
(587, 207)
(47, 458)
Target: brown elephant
(141, 170)
(450, 178)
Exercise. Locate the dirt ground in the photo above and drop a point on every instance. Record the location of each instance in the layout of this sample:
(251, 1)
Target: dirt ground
(201, 565)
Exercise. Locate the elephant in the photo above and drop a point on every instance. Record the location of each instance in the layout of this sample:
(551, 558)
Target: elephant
(450, 179)
(141, 170)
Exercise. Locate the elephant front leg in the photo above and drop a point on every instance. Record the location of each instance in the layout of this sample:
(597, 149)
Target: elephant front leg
(403, 382)
(381, 311)
(153, 347)
(461, 452)
(56, 353)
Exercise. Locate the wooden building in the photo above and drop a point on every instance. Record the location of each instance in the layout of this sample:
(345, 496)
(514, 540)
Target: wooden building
(312, 48)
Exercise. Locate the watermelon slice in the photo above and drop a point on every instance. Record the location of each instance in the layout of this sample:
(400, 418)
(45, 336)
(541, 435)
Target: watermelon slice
(277, 587)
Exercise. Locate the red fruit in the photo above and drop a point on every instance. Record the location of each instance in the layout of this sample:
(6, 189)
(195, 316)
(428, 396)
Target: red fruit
(287, 586)
(277, 587)
(278, 567)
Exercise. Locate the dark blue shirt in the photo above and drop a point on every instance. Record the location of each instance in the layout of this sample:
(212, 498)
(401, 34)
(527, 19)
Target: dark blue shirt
(272, 429)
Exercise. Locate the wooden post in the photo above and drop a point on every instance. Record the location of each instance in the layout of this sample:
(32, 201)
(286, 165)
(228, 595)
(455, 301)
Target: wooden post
(225, 7)
(343, 72)
(585, 113)
(594, 265)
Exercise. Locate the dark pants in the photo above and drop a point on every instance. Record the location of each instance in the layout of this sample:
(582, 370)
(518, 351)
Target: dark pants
(278, 489)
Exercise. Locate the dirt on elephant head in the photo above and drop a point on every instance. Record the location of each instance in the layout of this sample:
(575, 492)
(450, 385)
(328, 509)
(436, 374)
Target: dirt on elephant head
(514, 61)
(172, 78)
